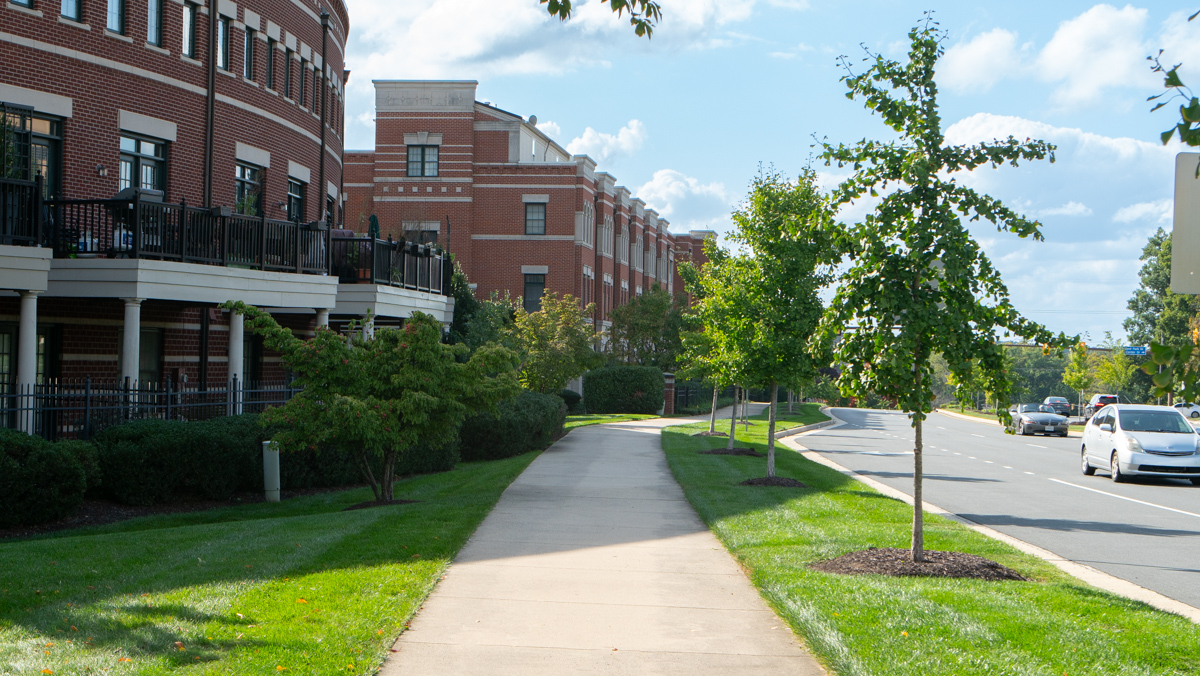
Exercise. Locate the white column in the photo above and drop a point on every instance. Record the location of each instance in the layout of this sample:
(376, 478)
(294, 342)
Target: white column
(237, 332)
(322, 317)
(131, 345)
(27, 358)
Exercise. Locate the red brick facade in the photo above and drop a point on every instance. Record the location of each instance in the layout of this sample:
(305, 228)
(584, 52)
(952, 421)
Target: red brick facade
(597, 242)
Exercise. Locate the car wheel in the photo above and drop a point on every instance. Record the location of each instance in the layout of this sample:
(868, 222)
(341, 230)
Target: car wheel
(1114, 469)
(1196, 414)
(1021, 430)
(1088, 470)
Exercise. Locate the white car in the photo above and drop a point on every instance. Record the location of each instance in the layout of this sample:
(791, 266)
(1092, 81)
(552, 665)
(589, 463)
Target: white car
(1129, 440)
(1188, 409)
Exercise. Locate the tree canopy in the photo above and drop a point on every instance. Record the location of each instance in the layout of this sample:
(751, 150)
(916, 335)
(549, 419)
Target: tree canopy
(643, 14)
(555, 343)
(1159, 314)
(915, 282)
(646, 330)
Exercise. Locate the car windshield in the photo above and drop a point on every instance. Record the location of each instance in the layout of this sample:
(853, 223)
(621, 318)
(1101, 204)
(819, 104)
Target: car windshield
(1155, 421)
(1056, 400)
(1029, 408)
(1106, 400)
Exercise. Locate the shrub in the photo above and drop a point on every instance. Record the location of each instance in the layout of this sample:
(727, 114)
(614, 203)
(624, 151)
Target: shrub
(521, 424)
(39, 481)
(623, 389)
(571, 398)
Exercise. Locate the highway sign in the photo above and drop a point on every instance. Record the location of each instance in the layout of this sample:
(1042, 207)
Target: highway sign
(1135, 350)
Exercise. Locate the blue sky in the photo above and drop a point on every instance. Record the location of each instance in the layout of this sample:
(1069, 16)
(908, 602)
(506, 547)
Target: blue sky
(685, 119)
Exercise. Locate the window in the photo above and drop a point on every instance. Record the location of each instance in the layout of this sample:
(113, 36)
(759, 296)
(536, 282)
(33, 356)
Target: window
(589, 224)
(150, 356)
(23, 3)
(422, 160)
(303, 81)
(535, 287)
(295, 200)
(143, 163)
(316, 99)
(154, 22)
(421, 232)
(223, 44)
(188, 48)
(270, 63)
(535, 219)
(248, 55)
(247, 183)
(116, 16)
(287, 73)
(70, 10)
(45, 153)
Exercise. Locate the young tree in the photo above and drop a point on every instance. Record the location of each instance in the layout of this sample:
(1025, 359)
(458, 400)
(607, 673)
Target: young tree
(1159, 314)
(555, 343)
(1078, 374)
(1116, 370)
(916, 283)
(380, 398)
(646, 330)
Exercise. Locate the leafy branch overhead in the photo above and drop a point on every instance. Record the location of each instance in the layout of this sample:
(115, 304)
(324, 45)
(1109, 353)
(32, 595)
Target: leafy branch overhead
(1188, 126)
(643, 14)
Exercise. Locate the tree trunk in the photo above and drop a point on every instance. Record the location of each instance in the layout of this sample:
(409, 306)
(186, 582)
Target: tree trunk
(364, 466)
(712, 416)
(918, 530)
(791, 400)
(389, 475)
(733, 419)
(771, 431)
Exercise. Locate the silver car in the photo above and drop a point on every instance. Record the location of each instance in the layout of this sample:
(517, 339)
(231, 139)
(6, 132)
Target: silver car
(1129, 440)
(1034, 418)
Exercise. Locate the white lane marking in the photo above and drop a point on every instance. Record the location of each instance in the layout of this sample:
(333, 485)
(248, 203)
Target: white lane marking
(1035, 446)
(941, 428)
(978, 435)
(1030, 473)
(971, 457)
(958, 454)
(1122, 497)
(989, 462)
(1007, 467)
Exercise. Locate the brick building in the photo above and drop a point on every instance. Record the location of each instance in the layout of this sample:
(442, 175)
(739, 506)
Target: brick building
(161, 158)
(516, 209)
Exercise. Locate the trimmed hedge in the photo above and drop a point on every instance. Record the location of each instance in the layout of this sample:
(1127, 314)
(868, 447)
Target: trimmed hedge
(623, 389)
(524, 423)
(39, 481)
(571, 398)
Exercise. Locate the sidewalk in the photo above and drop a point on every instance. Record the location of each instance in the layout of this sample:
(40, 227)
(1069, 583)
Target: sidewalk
(593, 562)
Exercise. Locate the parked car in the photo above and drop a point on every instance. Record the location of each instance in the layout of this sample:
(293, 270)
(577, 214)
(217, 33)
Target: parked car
(1097, 402)
(1034, 418)
(1060, 405)
(1131, 440)
(1189, 409)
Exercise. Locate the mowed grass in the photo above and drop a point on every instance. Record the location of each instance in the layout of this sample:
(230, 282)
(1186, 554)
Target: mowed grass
(300, 586)
(880, 626)
(586, 419)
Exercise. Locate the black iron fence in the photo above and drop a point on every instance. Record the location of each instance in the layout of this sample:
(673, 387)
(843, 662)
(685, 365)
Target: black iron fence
(79, 409)
(20, 204)
(403, 264)
(147, 229)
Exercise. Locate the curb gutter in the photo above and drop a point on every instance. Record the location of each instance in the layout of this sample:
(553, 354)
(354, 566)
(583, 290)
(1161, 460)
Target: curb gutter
(1087, 574)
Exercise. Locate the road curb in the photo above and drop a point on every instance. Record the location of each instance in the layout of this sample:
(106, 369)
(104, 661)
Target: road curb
(985, 421)
(792, 431)
(1079, 571)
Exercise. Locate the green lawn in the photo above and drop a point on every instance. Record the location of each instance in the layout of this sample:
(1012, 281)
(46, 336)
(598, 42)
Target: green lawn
(583, 420)
(298, 585)
(880, 626)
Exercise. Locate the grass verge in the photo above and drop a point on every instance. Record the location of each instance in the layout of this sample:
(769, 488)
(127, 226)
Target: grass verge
(299, 586)
(880, 626)
(584, 420)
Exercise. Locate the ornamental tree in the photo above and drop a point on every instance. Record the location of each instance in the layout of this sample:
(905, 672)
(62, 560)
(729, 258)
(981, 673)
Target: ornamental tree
(915, 283)
(555, 343)
(645, 331)
(1078, 374)
(380, 398)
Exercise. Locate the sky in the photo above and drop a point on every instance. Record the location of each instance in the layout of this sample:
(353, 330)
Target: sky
(685, 119)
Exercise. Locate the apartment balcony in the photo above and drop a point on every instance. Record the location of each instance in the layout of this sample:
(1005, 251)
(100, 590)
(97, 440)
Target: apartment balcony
(24, 260)
(380, 278)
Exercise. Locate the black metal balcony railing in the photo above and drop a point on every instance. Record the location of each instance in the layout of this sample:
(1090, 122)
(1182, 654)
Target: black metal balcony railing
(20, 203)
(402, 264)
(144, 229)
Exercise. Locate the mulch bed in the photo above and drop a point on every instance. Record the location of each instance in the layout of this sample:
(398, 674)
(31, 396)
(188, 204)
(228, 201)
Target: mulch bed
(780, 481)
(100, 512)
(734, 451)
(898, 563)
(378, 503)
(706, 433)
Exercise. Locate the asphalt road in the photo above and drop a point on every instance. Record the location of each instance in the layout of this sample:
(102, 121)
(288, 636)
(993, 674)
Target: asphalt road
(1147, 532)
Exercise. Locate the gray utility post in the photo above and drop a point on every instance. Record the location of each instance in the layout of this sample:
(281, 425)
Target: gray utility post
(271, 470)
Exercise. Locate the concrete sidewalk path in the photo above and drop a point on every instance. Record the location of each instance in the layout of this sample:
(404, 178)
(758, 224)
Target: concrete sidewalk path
(593, 562)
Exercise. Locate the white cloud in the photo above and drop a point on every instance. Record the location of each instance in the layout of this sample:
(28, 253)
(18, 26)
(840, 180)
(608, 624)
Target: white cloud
(987, 127)
(1101, 50)
(1068, 209)
(789, 4)
(1159, 211)
(980, 63)
(792, 52)
(550, 129)
(600, 146)
(686, 201)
